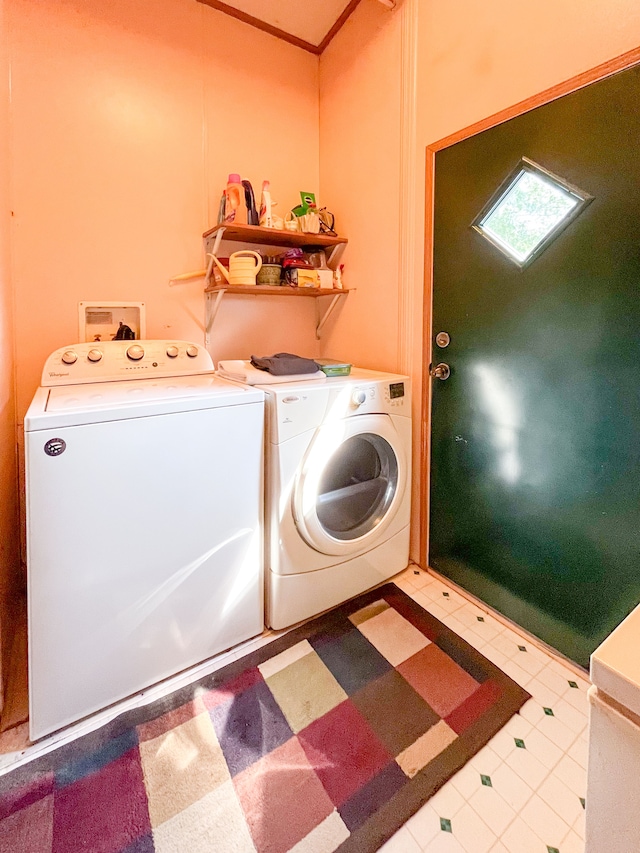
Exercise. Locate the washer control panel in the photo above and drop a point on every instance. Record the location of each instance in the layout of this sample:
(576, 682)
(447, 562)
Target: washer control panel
(111, 361)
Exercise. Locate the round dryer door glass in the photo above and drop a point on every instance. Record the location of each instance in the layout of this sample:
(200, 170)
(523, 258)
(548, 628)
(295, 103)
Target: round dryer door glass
(357, 487)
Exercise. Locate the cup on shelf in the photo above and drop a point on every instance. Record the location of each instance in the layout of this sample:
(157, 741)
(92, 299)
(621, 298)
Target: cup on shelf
(269, 274)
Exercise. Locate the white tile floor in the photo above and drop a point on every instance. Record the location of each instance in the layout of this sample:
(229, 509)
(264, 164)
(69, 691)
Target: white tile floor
(524, 792)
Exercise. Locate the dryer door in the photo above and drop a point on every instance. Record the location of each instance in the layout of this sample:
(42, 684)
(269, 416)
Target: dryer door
(350, 484)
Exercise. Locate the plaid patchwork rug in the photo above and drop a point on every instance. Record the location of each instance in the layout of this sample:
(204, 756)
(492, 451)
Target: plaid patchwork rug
(327, 739)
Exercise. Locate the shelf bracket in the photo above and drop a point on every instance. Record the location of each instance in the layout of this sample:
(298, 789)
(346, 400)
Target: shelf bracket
(213, 306)
(215, 249)
(217, 241)
(334, 256)
(322, 319)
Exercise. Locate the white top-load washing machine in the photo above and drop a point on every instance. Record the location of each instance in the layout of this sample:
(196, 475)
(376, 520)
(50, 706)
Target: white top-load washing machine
(338, 490)
(144, 522)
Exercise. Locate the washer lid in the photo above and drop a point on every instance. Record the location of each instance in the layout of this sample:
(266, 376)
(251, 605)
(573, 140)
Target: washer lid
(105, 394)
(109, 401)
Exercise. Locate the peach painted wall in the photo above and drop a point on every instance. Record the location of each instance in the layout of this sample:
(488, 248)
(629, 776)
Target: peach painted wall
(9, 538)
(127, 118)
(476, 59)
(471, 60)
(359, 179)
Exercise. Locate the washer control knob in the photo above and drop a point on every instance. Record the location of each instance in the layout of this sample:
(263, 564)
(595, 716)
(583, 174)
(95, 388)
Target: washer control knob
(173, 351)
(135, 353)
(358, 397)
(69, 357)
(94, 355)
(192, 351)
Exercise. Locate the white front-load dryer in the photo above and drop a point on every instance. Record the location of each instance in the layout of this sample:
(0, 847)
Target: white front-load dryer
(338, 490)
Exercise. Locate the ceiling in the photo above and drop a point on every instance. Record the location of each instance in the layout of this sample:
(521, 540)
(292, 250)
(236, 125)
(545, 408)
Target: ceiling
(310, 24)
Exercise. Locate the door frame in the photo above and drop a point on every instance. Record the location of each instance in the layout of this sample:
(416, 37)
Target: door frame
(585, 78)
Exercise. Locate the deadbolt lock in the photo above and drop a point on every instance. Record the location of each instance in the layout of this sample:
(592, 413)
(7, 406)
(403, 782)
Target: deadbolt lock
(440, 371)
(443, 340)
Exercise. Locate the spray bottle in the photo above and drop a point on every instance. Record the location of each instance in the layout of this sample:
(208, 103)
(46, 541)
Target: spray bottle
(266, 216)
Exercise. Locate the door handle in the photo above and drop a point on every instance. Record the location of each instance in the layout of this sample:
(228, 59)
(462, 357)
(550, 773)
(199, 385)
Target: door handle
(440, 371)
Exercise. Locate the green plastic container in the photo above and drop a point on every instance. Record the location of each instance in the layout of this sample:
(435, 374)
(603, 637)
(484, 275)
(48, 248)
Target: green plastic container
(330, 367)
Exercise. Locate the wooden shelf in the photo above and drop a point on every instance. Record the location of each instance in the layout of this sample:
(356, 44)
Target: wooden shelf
(256, 235)
(273, 237)
(268, 290)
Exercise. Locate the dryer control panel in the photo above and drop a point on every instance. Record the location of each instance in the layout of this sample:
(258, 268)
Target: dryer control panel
(296, 407)
(110, 361)
(395, 394)
(380, 397)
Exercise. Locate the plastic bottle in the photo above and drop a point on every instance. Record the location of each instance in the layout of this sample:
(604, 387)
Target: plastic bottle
(222, 207)
(250, 201)
(235, 206)
(266, 216)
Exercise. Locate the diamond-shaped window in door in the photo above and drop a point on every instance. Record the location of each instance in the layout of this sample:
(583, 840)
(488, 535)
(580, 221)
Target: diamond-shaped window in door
(529, 211)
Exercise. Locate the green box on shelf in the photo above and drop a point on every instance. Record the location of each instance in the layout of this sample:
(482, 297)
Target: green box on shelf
(333, 368)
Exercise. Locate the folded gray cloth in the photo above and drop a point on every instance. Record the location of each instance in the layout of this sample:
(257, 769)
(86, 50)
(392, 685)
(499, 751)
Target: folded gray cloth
(285, 364)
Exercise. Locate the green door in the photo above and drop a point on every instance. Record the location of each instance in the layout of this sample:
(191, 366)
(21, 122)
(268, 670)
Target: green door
(535, 478)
